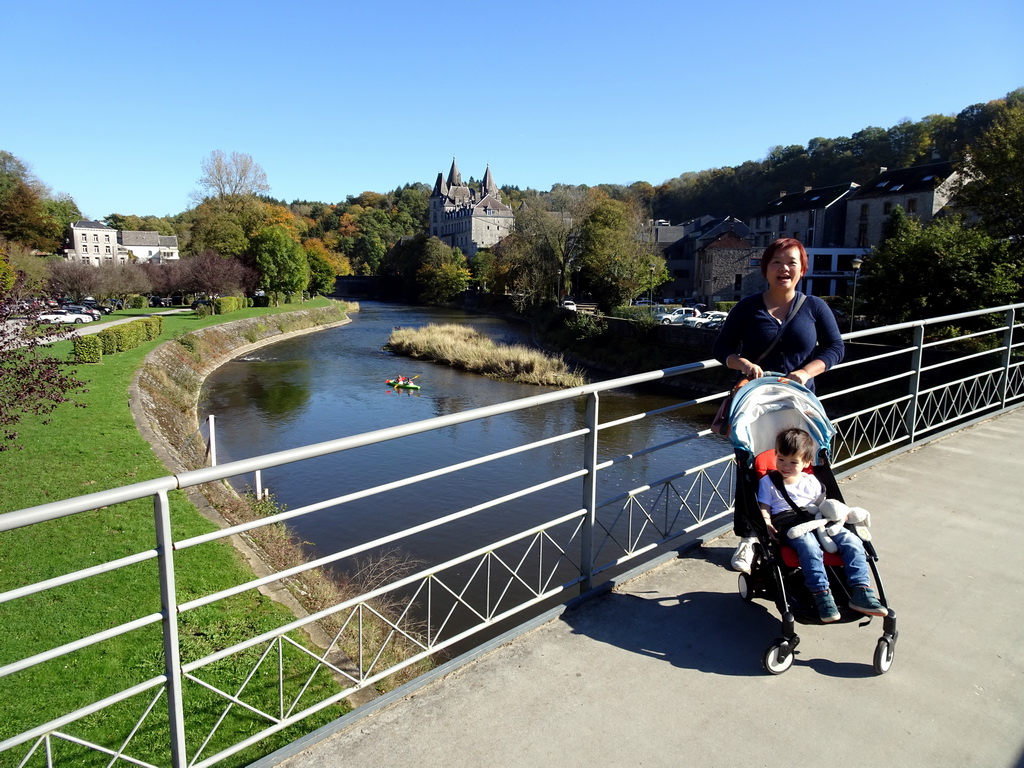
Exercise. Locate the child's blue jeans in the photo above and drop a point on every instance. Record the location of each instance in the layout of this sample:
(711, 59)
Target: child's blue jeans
(850, 549)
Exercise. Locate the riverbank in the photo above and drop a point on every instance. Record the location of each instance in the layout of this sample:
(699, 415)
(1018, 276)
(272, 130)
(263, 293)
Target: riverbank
(95, 447)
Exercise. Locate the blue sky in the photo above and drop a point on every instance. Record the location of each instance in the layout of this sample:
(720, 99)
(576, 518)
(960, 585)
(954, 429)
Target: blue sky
(334, 98)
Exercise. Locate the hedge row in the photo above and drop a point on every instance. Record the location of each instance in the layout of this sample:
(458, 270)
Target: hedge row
(117, 338)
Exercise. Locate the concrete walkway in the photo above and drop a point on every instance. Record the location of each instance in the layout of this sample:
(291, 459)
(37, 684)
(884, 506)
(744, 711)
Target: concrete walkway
(666, 670)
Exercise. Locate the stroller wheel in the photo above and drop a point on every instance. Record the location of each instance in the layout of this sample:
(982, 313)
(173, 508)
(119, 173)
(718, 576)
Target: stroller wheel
(744, 588)
(773, 660)
(884, 652)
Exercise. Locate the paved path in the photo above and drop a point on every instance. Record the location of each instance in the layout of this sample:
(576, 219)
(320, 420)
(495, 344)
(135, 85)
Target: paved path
(666, 669)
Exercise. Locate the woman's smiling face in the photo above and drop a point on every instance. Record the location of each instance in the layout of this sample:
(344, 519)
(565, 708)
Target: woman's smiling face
(785, 269)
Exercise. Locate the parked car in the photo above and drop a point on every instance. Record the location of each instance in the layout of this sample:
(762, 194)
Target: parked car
(569, 304)
(643, 303)
(159, 301)
(81, 309)
(676, 316)
(63, 316)
(714, 319)
(88, 301)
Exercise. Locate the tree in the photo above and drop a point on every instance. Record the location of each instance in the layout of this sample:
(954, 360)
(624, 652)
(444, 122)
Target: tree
(617, 265)
(993, 174)
(321, 274)
(74, 279)
(213, 274)
(32, 381)
(443, 273)
(32, 272)
(945, 268)
(119, 281)
(230, 177)
(280, 261)
(215, 228)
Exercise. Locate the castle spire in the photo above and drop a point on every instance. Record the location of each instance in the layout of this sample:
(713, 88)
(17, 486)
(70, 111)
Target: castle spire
(440, 188)
(489, 187)
(454, 177)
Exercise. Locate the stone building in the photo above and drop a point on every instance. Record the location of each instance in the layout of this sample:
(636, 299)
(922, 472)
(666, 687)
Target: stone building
(699, 263)
(461, 219)
(815, 217)
(922, 191)
(727, 267)
(93, 242)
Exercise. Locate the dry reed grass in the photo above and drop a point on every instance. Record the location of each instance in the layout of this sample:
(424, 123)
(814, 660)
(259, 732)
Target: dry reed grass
(469, 350)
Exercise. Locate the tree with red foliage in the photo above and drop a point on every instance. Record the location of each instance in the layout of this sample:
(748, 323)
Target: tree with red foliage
(32, 379)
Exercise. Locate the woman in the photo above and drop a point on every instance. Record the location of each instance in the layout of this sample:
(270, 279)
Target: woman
(810, 343)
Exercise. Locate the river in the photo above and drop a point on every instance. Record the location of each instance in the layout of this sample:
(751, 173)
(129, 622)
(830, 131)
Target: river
(331, 384)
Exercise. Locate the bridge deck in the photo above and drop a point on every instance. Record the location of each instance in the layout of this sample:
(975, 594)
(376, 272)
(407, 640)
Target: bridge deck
(666, 669)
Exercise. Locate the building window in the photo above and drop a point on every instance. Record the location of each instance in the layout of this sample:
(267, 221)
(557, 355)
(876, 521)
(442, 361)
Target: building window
(95, 238)
(96, 249)
(912, 205)
(862, 235)
(796, 234)
(886, 208)
(84, 237)
(737, 283)
(106, 238)
(863, 211)
(107, 249)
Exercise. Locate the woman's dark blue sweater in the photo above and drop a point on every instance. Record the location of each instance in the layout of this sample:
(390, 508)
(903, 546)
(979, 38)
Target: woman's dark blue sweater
(811, 334)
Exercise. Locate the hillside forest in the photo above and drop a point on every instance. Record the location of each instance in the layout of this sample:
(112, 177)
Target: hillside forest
(237, 238)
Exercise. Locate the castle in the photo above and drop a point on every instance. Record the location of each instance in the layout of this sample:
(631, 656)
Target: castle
(461, 220)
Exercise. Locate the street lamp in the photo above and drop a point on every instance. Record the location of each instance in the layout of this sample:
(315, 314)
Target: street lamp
(650, 292)
(856, 264)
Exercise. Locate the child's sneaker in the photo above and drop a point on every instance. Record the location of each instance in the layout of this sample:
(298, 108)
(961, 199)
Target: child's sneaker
(826, 606)
(743, 557)
(863, 599)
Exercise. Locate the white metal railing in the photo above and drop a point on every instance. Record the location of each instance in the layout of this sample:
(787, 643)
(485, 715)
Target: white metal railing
(898, 387)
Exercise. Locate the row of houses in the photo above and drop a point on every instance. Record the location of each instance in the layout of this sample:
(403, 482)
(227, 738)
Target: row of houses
(718, 258)
(94, 243)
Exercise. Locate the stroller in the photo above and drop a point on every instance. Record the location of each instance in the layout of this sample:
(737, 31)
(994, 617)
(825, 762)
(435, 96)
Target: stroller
(760, 410)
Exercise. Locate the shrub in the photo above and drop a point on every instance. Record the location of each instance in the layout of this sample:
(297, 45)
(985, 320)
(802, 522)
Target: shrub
(153, 327)
(108, 340)
(137, 302)
(583, 325)
(88, 349)
(261, 301)
(226, 304)
(204, 310)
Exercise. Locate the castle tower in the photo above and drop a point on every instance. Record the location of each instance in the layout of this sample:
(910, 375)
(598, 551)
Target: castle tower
(461, 219)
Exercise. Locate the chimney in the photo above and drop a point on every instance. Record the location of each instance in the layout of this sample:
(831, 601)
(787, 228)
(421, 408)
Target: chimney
(782, 193)
(882, 169)
(807, 188)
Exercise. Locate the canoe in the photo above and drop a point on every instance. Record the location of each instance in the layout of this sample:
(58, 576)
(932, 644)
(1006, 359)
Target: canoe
(403, 385)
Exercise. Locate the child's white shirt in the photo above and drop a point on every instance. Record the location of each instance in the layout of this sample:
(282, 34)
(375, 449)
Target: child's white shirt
(804, 491)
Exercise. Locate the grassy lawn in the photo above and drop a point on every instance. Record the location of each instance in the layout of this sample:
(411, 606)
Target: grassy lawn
(93, 448)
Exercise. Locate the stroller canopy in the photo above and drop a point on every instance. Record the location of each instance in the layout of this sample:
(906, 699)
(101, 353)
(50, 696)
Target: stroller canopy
(764, 407)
